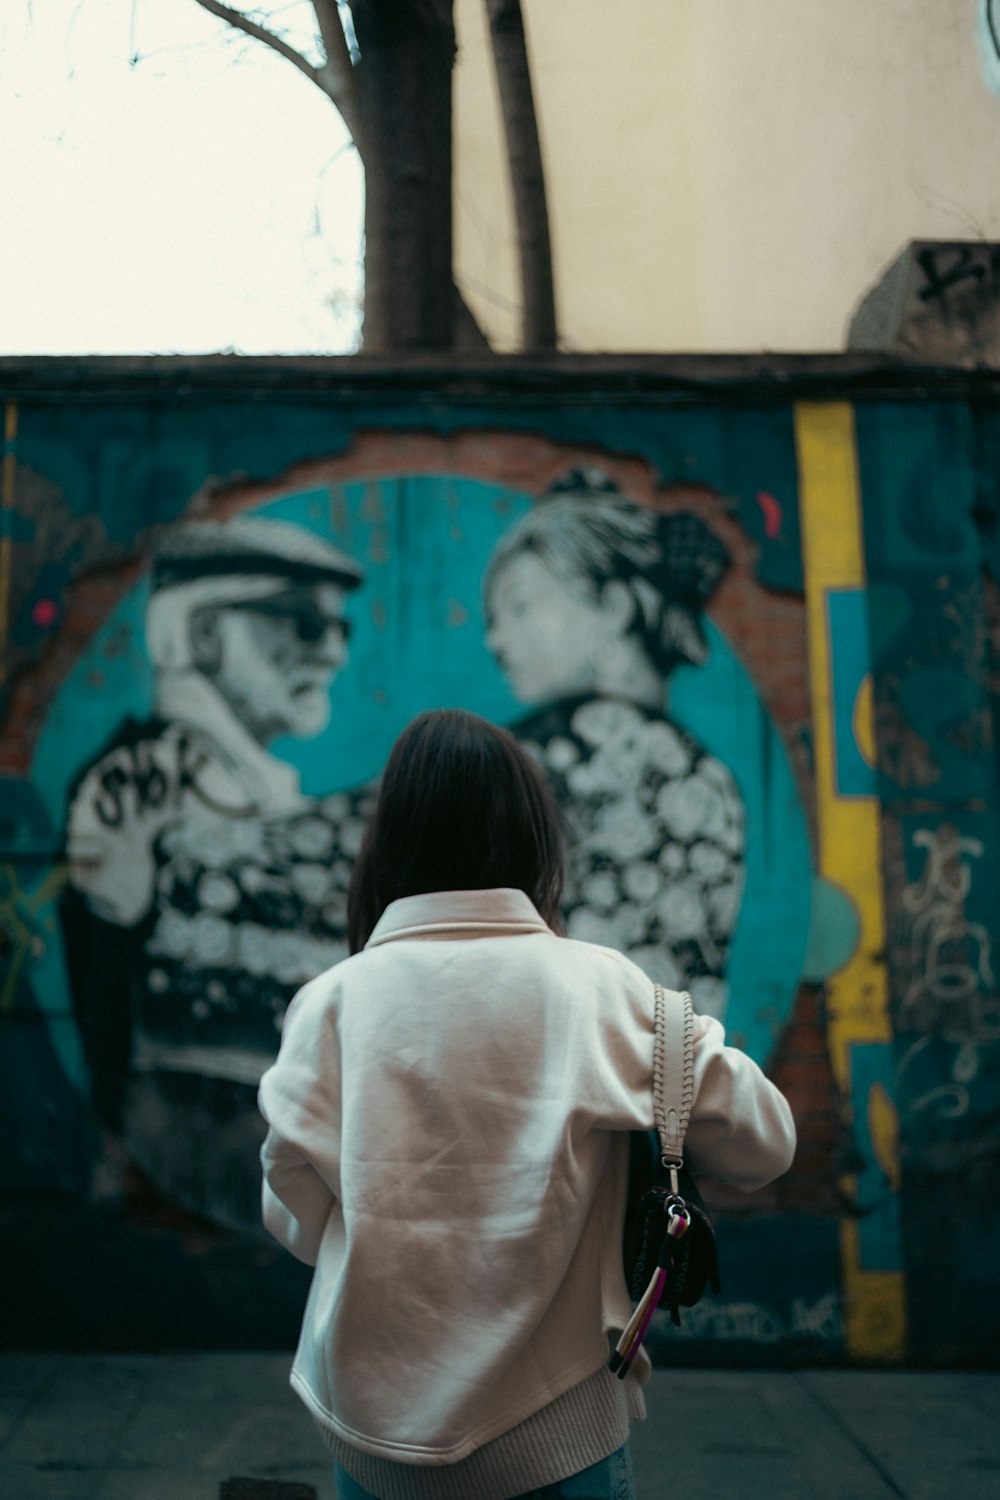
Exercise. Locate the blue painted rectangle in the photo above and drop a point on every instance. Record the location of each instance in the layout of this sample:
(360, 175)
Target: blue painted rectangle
(850, 658)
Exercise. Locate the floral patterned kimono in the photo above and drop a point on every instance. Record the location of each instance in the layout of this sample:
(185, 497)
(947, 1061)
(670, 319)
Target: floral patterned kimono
(205, 889)
(656, 836)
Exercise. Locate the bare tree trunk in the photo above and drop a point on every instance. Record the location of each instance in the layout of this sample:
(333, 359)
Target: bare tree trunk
(510, 55)
(404, 88)
(397, 105)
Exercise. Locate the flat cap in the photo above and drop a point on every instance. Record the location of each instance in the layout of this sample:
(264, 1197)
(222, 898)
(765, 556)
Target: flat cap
(250, 545)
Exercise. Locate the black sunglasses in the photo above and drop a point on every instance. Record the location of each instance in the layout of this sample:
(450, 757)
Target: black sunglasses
(310, 622)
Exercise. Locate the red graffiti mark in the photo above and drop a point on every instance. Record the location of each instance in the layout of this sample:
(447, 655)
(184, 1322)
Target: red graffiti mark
(772, 514)
(44, 613)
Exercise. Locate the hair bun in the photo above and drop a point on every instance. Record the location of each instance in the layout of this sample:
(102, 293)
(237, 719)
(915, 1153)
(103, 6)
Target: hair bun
(585, 480)
(692, 561)
(687, 559)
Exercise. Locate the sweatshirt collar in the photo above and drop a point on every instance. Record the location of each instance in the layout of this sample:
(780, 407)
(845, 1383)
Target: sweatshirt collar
(463, 913)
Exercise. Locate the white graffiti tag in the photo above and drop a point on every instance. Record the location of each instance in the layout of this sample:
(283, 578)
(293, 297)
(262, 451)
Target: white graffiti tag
(952, 992)
(757, 1323)
(952, 995)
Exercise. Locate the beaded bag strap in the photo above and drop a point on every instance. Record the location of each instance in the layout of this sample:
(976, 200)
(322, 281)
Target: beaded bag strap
(673, 1071)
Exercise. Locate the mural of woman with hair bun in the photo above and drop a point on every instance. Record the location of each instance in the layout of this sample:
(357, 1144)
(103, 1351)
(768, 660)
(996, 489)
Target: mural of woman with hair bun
(591, 602)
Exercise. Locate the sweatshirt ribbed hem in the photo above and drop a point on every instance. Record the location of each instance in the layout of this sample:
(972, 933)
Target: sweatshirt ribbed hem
(577, 1429)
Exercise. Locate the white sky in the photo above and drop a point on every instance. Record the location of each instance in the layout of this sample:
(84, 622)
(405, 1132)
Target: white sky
(202, 199)
(205, 196)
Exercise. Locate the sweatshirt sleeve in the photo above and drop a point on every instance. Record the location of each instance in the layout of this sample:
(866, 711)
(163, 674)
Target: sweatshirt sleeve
(299, 1098)
(741, 1129)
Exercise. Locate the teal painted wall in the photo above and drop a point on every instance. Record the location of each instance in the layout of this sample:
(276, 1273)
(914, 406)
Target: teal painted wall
(418, 493)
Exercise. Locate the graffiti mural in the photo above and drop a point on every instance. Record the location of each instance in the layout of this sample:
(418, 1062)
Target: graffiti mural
(753, 644)
(953, 990)
(591, 602)
(947, 1066)
(202, 888)
(948, 1015)
(210, 833)
(859, 1028)
(932, 537)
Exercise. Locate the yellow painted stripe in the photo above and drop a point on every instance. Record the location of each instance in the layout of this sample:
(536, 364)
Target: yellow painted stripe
(6, 543)
(848, 829)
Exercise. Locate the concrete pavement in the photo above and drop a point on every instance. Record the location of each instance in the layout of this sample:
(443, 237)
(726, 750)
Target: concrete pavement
(176, 1427)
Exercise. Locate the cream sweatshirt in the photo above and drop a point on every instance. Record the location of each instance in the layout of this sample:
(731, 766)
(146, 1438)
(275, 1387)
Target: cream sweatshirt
(447, 1146)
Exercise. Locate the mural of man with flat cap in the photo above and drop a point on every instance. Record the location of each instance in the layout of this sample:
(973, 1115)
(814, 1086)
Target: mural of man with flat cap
(205, 886)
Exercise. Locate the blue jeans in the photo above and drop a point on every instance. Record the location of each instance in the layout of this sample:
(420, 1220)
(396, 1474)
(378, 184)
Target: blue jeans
(611, 1479)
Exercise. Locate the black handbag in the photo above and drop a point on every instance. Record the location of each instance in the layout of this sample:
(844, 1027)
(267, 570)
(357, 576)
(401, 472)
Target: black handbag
(668, 1250)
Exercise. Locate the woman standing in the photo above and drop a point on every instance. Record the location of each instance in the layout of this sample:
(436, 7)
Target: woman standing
(591, 603)
(447, 1145)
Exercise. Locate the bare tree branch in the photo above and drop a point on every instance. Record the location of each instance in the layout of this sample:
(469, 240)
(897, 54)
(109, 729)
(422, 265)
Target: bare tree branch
(261, 34)
(333, 78)
(397, 106)
(336, 77)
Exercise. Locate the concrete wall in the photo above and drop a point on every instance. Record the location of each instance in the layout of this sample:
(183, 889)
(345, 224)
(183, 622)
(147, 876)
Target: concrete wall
(723, 176)
(799, 825)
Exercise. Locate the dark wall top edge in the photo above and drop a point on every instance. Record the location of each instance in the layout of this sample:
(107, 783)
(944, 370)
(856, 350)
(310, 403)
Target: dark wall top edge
(430, 378)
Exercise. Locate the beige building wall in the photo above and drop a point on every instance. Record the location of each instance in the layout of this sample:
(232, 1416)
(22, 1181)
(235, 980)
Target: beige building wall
(726, 174)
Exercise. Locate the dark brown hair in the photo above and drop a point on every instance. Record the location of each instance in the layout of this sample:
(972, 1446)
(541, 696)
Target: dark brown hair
(461, 807)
